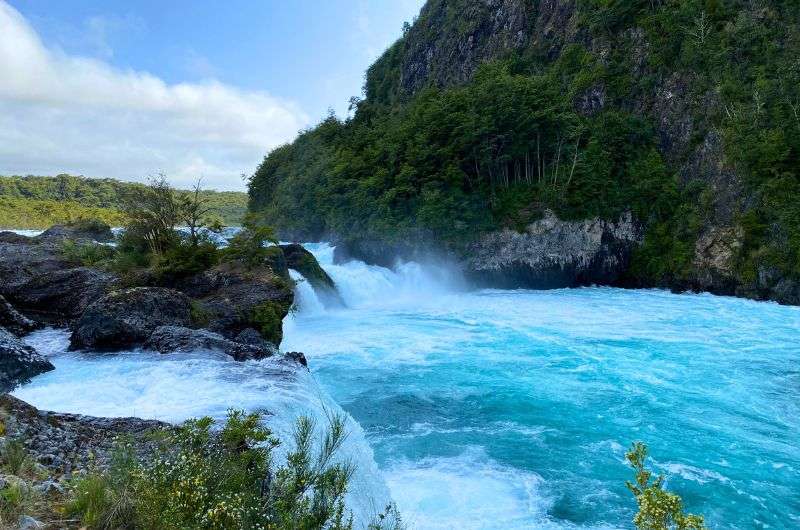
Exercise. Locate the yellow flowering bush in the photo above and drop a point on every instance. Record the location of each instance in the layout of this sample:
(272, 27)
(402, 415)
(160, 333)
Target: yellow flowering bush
(207, 478)
(658, 509)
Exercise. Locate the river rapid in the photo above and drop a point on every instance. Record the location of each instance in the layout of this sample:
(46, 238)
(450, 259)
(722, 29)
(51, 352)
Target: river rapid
(490, 409)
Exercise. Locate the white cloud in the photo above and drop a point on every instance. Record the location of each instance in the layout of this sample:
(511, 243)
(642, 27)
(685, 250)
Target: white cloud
(62, 113)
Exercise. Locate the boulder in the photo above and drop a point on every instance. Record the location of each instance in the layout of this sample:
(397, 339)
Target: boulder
(297, 357)
(14, 321)
(26, 522)
(178, 339)
(24, 258)
(250, 336)
(64, 294)
(18, 362)
(127, 317)
(232, 297)
(13, 238)
(552, 253)
(35, 278)
(82, 230)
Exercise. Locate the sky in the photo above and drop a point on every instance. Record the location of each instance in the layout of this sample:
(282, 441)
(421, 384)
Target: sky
(131, 88)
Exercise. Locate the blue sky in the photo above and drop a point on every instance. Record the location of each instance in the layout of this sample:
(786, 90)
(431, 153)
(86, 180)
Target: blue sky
(119, 88)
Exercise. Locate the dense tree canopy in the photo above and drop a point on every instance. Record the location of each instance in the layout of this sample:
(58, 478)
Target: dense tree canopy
(526, 134)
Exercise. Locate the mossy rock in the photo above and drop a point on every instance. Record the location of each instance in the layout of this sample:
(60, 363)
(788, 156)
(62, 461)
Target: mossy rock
(267, 318)
(304, 262)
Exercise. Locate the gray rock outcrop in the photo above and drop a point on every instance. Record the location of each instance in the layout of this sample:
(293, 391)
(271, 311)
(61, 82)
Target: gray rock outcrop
(36, 279)
(177, 339)
(14, 321)
(79, 231)
(552, 253)
(18, 362)
(232, 297)
(127, 317)
(65, 443)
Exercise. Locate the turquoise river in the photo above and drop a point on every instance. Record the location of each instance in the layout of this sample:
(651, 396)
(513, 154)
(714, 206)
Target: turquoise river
(490, 409)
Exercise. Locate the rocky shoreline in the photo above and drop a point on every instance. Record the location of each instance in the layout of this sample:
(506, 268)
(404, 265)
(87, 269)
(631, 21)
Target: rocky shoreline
(217, 310)
(552, 253)
(233, 308)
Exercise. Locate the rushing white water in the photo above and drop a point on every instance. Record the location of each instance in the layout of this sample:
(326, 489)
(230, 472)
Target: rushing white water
(513, 409)
(176, 387)
(27, 233)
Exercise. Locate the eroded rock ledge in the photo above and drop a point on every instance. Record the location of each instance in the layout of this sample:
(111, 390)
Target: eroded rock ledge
(66, 443)
(553, 253)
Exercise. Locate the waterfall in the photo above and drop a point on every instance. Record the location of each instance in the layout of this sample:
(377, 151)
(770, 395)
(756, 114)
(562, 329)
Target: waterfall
(305, 297)
(362, 285)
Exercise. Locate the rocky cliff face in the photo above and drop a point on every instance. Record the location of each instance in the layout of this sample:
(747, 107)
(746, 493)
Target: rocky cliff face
(452, 38)
(552, 253)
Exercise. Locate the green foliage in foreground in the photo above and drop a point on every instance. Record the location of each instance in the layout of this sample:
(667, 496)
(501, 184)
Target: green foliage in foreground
(40, 202)
(226, 479)
(658, 509)
(198, 476)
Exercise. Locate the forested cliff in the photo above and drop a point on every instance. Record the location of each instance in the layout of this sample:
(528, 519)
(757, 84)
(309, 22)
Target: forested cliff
(487, 115)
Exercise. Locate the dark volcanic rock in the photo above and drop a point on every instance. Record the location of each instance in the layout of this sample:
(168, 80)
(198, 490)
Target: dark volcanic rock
(18, 362)
(552, 253)
(65, 443)
(127, 317)
(297, 357)
(14, 238)
(35, 278)
(65, 293)
(14, 321)
(177, 339)
(250, 336)
(79, 231)
(233, 297)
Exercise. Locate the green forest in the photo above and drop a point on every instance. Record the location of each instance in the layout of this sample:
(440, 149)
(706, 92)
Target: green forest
(447, 162)
(33, 202)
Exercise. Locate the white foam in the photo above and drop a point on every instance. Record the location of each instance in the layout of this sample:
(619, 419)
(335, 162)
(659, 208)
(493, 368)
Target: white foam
(27, 233)
(176, 387)
(408, 283)
(468, 491)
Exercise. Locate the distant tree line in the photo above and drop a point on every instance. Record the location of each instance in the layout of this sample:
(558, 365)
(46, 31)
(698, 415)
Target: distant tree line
(39, 202)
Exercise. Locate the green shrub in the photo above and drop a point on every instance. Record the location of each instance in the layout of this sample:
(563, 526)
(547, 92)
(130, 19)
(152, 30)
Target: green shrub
(658, 508)
(104, 500)
(248, 246)
(200, 315)
(203, 478)
(186, 259)
(267, 318)
(88, 254)
(16, 499)
(14, 457)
